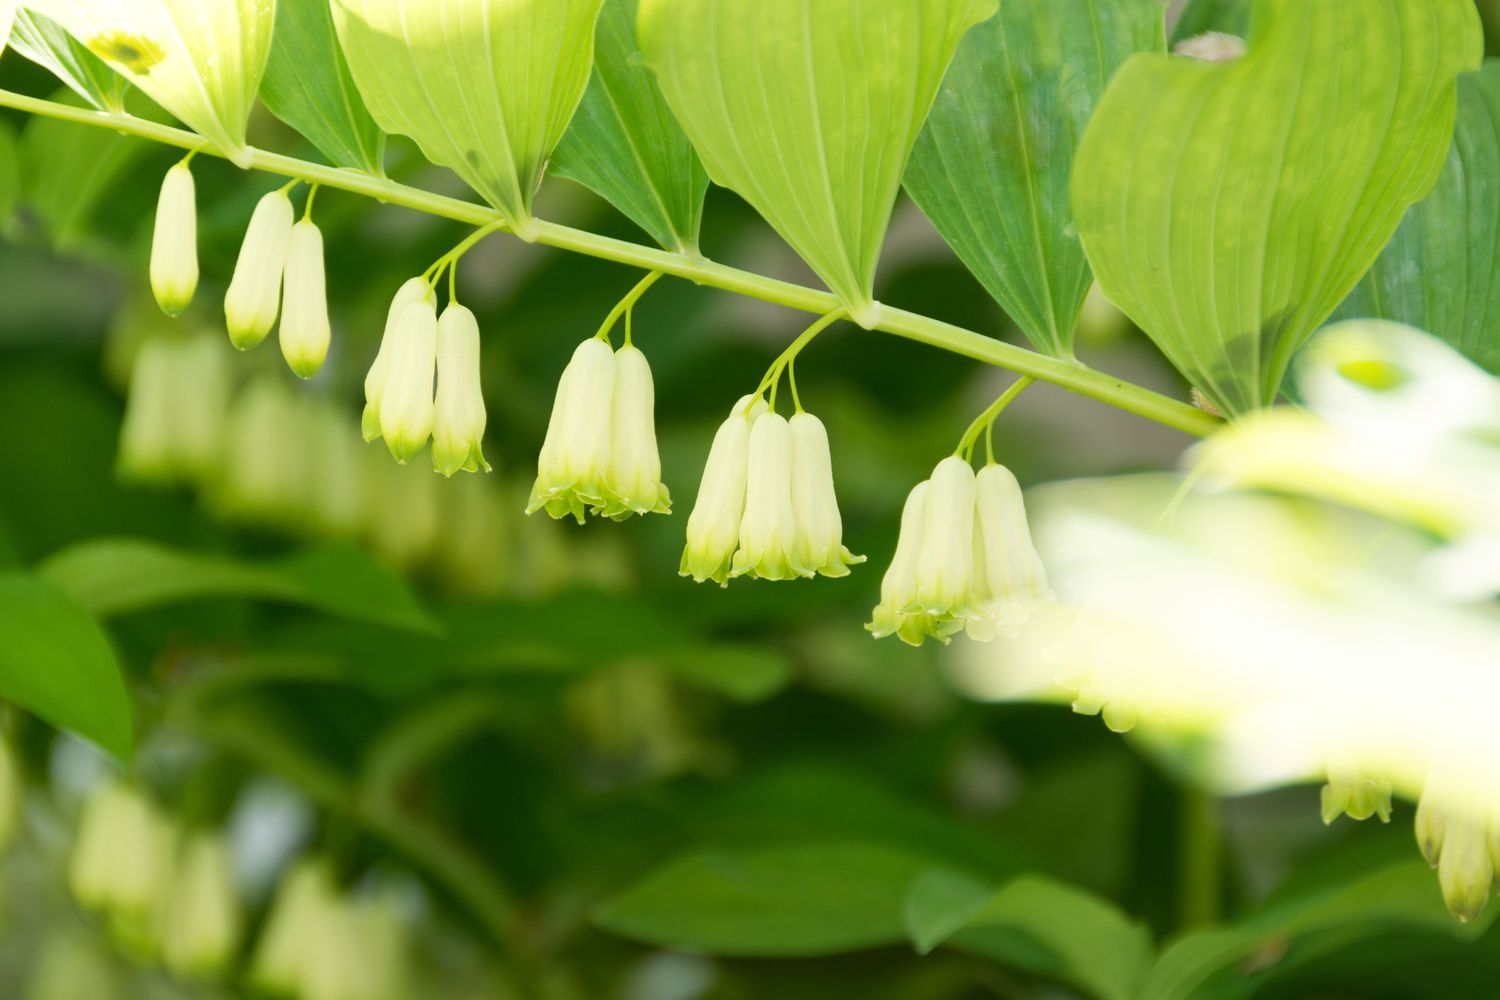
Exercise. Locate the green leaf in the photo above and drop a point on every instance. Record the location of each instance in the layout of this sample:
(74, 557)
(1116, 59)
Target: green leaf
(625, 145)
(742, 673)
(1441, 271)
(808, 111)
(7, 17)
(484, 87)
(1222, 963)
(991, 168)
(1229, 208)
(48, 44)
(119, 576)
(10, 174)
(1232, 17)
(769, 902)
(308, 86)
(1034, 924)
(56, 662)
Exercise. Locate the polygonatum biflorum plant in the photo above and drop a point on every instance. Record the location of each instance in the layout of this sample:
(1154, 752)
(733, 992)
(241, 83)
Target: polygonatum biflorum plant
(1280, 165)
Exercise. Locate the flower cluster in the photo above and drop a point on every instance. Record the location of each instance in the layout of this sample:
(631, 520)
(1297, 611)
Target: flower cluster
(417, 350)
(600, 452)
(174, 428)
(766, 507)
(964, 560)
(1461, 841)
(281, 266)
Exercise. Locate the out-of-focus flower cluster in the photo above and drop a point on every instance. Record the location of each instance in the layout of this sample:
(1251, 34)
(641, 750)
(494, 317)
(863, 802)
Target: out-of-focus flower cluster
(1313, 599)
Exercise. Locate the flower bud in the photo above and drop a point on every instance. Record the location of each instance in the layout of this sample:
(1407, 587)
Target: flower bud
(199, 927)
(635, 485)
(768, 528)
(713, 528)
(174, 244)
(896, 613)
(573, 466)
(406, 408)
(818, 540)
(945, 565)
(304, 314)
(254, 294)
(1014, 582)
(459, 417)
(414, 290)
(1466, 872)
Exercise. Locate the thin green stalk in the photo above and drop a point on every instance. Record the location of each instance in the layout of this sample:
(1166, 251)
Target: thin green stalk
(1069, 375)
(773, 375)
(625, 305)
(986, 420)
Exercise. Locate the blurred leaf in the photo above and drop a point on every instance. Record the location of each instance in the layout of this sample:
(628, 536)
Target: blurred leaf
(1441, 271)
(991, 168)
(119, 576)
(1039, 925)
(1261, 231)
(48, 44)
(485, 87)
(771, 902)
(625, 145)
(308, 86)
(10, 174)
(742, 673)
(1223, 963)
(56, 662)
(1078, 816)
(809, 111)
(1232, 17)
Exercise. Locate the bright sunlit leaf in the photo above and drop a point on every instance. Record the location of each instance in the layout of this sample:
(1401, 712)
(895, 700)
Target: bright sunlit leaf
(809, 111)
(1229, 208)
(991, 168)
(47, 43)
(485, 87)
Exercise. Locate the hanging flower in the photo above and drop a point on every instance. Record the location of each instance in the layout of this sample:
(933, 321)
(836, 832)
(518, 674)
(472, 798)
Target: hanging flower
(1010, 581)
(458, 416)
(305, 331)
(406, 406)
(1353, 792)
(174, 244)
(292, 931)
(1460, 839)
(768, 527)
(254, 296)
(634, 481)
(897, 613)
(818, 532)
(175, 411)
(413, 291)
(199, 927)
(713, 528)
(573, 468)
(122, 857)
(945, 563)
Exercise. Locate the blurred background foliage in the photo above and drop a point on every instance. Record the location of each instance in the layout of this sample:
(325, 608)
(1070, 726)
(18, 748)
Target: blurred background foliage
(538, 733)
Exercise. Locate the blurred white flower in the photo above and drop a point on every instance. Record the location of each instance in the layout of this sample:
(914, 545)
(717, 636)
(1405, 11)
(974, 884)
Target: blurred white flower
(175, 411)
(305, 332)
(458, 415)
(713, 528)
(199, 923)
(406, 402)
(174, 242)
(294, 930)
(254, 297)
(122, 858)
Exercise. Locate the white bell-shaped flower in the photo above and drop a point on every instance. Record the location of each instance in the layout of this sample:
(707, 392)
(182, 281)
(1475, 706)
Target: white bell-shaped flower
(414, 290)
(1010, 581)
(175, 411)
(635, 485)
(406, 403)
(122, 858)
(254, 295)
(819, 529)
(897, 613)
(945, 564)
(573, 467)
(199, 927)
(458, 416)
(293, 930)
(713, 528)
(305, 332)
(1458, 837)
(174, 243)
(768, 528)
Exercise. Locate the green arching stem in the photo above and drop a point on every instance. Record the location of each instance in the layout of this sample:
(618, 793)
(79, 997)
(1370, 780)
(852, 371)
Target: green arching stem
(312, 196)
(450, 259)
(1069, 375)
(625, 305)
(986, 420)
(773, 374)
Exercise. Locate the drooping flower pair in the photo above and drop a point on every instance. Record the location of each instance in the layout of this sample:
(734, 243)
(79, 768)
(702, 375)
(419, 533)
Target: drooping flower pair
(401, 404)
(1460, 837)
(600, 452)
(766, 506)
(964, 560)
(280, 271)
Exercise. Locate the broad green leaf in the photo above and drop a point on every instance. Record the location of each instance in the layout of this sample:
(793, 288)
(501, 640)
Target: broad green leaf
(1232, 17)
(1229, 208)
(308, 86)
(201, 60)
(1038, 925)
(769, 902)
(48, 44)
(1221, 963)
(625, 145)
(1441, 271)
(119, 576)
(57, 663)
(808, 110)
(484, 87)
(991, 168)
